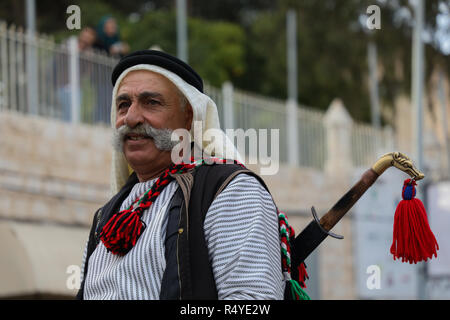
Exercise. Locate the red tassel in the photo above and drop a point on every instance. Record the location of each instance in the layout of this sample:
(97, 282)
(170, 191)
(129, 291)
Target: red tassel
(122, 231)
(413, 240)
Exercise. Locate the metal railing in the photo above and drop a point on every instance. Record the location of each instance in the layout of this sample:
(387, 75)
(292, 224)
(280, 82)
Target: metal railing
(60, 70)
(38, 76)
(252, 111)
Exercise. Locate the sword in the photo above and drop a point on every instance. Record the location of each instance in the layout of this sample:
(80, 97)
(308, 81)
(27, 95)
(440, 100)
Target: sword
(317, 230)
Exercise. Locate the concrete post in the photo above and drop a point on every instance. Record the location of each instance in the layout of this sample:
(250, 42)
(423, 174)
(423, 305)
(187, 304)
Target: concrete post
(228, 110)
(182, 34)
(389, 140)
(74, 79)
(293, 152)
(31, 59)
(338, 126)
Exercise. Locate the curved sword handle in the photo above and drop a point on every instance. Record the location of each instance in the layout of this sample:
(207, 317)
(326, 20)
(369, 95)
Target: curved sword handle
(400, 161)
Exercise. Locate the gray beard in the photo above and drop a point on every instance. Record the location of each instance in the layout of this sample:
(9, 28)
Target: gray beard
(161, 137)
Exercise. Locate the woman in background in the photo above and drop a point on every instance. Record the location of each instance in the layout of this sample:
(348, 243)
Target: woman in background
(108, 38)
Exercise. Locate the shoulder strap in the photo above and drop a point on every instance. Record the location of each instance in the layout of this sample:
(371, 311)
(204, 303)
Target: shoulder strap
(208, 182)
(234, 174)
(170, 288)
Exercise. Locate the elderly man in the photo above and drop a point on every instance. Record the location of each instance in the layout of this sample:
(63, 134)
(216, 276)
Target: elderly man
(177, 230)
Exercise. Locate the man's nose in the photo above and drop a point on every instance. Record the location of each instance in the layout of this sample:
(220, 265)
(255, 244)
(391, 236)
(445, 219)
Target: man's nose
(134, 115)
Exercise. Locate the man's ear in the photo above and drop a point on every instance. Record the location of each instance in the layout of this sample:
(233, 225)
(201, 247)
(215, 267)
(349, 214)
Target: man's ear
(189, 115)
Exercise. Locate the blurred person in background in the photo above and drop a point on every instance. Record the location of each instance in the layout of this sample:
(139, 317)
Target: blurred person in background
(173, 230)
(86, 40)
(108, 41)
(108, 38)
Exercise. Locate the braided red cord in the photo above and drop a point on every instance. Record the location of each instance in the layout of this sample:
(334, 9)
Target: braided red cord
(123, 229)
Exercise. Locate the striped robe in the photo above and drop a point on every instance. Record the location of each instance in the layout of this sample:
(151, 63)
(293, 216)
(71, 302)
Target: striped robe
(241, 232)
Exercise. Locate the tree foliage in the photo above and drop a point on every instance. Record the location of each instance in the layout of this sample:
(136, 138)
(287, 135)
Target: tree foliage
(216, 48)
(245, 41)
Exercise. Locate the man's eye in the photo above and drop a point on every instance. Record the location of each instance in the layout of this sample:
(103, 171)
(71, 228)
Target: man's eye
(123, 105)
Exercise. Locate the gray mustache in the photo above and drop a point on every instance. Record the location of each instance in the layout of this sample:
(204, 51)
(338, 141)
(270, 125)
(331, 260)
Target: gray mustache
(161, 137)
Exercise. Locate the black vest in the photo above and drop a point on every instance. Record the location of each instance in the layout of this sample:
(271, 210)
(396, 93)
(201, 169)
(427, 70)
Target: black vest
(188, 273)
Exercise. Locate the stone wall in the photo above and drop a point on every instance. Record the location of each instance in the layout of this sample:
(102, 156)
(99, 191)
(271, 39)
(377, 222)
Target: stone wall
(53, 172)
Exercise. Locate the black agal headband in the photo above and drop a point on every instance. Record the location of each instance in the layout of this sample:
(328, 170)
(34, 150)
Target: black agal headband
(161, 59)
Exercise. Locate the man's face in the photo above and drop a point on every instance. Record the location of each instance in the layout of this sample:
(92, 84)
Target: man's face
(145, 97)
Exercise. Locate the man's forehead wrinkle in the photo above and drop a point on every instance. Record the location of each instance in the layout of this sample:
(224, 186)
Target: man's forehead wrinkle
(150, 94)
(146, 80)
(137, 89)
(144, 77)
